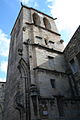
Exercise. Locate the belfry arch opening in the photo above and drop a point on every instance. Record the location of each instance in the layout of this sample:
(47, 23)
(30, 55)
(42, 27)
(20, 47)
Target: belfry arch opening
(36, 19)
(46, 23)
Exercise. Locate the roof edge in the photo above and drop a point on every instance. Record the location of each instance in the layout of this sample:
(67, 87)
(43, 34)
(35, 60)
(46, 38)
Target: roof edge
(38, 11)
(30, 9)
(16, 20)
(72, 38)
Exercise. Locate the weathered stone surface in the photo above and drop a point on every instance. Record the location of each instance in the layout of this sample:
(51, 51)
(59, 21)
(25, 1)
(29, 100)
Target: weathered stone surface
(2, 92)
(72, 52)
(38, 86)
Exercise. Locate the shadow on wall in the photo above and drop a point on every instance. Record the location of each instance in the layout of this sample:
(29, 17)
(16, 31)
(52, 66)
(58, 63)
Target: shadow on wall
(54, 68)
(1, 112)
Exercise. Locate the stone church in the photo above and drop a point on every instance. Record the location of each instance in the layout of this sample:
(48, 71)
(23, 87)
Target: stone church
(43, 78)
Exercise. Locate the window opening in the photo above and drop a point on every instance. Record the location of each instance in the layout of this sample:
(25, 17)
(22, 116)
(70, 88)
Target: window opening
(78, 58)
(73, 66)
(36, 19)
(46, 42)
(52, 83)
(46, 23)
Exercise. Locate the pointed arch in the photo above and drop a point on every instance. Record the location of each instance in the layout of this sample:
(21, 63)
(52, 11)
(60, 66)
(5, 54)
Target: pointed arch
(25, 78)
(23, 67)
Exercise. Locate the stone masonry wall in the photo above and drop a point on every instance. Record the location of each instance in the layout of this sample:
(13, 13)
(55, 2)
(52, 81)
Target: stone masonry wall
(72, 55)
(2, 92)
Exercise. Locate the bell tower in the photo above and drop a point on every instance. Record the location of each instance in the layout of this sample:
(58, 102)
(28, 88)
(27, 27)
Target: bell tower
(36, 68)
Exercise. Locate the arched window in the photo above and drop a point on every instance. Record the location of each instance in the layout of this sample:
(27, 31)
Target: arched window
(36, 19)
(47, 23)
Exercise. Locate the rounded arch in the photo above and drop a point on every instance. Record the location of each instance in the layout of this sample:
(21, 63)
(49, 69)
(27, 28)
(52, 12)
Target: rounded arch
(46, 23)
(36, 19)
